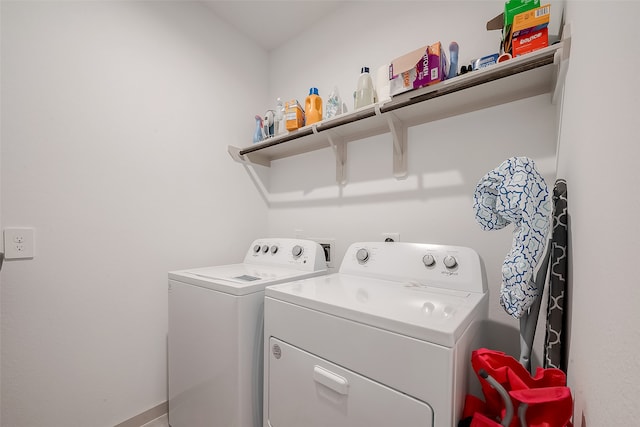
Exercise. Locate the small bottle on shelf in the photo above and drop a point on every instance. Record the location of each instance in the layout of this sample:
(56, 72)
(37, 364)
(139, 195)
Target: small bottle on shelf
(280, 126)
(364, 93)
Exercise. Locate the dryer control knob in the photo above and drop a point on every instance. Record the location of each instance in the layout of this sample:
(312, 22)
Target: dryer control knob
(265, 248)
(428, 260)
(297, 251)
(449, 261)
(362, 255)
(274, 249)
(256, 248)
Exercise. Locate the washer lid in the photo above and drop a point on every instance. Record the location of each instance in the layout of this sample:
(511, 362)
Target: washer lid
(417, 310)
(239, 279)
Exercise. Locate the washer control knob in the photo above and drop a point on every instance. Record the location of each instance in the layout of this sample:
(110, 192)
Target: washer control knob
(265, 248)
(274, 249)
(362, 255)
(256, 248)
(428, 260)
(450, 262)
(297, 251)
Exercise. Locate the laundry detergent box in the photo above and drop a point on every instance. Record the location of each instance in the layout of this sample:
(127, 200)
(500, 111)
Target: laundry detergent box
(421, 67)
(504, 21)
(530, 21)
(530, 42)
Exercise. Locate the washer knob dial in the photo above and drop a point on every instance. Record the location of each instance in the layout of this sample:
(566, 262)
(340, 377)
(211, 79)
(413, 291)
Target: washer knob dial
(297, 251)
(450, 261)
(428, 260)
(265, 248)
(274, 249)
(362, 255)
(256, 248)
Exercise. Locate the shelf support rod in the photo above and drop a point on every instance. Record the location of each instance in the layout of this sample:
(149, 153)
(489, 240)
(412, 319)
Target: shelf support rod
(399, 134)
(247, 159)
(234, 152)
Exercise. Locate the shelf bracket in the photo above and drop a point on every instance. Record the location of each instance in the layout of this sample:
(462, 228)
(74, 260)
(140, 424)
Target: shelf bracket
(561, 61)
(399, 134)
(340, 151)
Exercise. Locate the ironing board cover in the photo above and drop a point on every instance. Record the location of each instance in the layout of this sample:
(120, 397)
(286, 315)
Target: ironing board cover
(556, 315)
(515, 192)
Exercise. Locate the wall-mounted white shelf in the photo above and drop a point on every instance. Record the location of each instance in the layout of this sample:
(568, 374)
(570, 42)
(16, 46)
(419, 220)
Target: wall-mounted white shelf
(537, 73)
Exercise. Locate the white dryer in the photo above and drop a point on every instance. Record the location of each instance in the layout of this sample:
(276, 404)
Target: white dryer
(216, 332)
(386, 341)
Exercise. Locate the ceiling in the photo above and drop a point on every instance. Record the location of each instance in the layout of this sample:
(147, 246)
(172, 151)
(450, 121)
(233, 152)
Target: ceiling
(271, 23)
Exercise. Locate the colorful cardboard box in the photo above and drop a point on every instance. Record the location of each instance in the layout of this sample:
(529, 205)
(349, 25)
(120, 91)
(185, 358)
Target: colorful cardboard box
(530, 42)
(293, 115)
(531, 21)
(504, 21)
(421, 67)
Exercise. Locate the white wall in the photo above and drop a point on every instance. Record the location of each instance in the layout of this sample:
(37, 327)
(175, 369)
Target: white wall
(113, 149)
(446, 158)
(115, 122)
(599, 158)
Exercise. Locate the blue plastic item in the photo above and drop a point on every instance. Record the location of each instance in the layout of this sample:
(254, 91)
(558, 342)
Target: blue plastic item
(453, 65)
(257, 135)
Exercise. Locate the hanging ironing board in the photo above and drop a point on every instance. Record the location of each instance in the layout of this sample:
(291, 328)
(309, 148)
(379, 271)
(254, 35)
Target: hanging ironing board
(554, 352)
(554, 264)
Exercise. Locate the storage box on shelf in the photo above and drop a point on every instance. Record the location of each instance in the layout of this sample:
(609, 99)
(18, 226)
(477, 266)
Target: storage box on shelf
(422, 67)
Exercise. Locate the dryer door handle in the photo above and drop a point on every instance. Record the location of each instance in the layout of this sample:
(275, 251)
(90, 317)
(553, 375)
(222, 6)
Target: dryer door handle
(331, 380)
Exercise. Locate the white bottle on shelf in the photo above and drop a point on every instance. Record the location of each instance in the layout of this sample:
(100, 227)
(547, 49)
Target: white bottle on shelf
(364, 93)
(280, 126)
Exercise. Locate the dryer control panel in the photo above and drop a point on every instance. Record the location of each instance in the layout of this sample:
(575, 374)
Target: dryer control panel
(443, 266)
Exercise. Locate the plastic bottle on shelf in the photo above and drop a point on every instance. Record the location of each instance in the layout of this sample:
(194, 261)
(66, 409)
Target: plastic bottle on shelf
(334, 104)
(364, 93)
(313, 107)
(257, 134)
(280, 126)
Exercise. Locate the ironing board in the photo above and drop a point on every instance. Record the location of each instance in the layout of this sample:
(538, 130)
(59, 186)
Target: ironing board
(554, 263)
(554, 352)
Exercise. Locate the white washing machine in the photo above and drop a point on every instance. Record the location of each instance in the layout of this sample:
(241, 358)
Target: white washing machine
(386, 341)
(216, 332)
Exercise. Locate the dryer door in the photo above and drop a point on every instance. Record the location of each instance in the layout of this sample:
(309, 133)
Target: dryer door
(305, 390)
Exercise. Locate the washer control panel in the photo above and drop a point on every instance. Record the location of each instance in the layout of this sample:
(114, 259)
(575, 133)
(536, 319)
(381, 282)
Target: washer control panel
(297, 253)
(450, 267)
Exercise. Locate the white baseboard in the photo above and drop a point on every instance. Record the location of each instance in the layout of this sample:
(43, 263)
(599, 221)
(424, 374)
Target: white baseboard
(147, 416)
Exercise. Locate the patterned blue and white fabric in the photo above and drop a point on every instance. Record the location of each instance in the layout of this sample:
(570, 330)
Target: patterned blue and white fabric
(515, 192)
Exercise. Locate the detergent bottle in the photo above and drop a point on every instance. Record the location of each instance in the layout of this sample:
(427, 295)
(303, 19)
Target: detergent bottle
(364, 93)
(313, 107)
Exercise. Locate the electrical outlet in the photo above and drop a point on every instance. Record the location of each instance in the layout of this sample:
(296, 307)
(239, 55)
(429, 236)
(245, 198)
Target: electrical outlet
(328, 246)
(390, 237)
(18, 243)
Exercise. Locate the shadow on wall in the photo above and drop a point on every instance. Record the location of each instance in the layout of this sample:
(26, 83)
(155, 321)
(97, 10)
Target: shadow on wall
(446, 159)
(505, 338)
